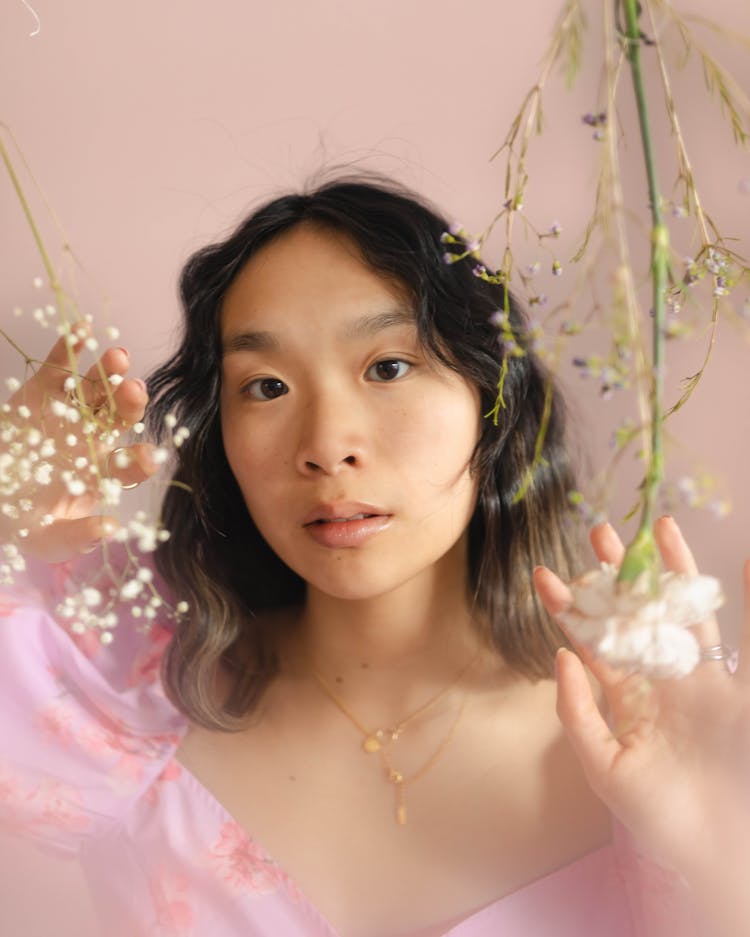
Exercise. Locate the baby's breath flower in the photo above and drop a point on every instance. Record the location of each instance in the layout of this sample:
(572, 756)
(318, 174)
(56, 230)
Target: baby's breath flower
(43, 473)
(91, 597)
(13, 384)
(112, 333)
(180, 436)
(110, 490)
(131, 589)
(115, 379)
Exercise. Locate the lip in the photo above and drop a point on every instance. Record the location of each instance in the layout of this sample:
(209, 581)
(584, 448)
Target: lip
(325, 527)
(338, 509)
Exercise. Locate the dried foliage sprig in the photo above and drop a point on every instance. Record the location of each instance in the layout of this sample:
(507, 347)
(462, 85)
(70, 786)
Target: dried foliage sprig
(68, 448)
(630, 31)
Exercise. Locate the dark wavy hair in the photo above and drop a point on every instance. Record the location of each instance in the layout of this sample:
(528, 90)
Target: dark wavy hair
(217, 559)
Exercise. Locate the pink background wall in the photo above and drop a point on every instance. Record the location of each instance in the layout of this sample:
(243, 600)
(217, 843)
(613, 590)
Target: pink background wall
(153, 126)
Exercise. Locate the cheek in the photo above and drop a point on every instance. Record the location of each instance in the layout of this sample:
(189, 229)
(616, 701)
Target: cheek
(253, 457)
(436, 445)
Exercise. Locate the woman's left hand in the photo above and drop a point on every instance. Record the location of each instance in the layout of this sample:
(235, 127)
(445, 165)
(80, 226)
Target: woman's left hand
(673, 761)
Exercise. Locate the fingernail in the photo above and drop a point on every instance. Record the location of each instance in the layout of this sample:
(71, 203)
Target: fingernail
(141, 384)
(124, 351)
(90, 547)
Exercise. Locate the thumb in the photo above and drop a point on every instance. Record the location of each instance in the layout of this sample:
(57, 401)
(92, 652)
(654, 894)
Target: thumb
(65, 539)
(586, 728)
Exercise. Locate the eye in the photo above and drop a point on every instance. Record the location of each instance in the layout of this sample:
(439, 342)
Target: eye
(388, 369)
(265, 388)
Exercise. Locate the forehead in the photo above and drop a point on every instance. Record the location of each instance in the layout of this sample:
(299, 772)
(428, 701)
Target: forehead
(313, 272)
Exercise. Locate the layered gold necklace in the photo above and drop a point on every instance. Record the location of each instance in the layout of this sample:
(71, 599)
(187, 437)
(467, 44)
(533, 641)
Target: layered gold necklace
(374, 741)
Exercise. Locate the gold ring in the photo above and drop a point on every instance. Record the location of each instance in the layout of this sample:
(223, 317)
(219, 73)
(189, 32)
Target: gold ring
(107, 468)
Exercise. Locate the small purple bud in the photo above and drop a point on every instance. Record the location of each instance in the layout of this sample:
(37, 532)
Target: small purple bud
(455, 228)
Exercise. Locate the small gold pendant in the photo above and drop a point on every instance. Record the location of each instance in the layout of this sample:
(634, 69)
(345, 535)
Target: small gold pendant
(371, 744)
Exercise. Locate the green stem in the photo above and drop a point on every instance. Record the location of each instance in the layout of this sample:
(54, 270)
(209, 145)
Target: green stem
(641, 555)
(50, 270)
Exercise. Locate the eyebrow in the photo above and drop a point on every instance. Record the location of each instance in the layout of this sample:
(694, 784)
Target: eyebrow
(363, 327)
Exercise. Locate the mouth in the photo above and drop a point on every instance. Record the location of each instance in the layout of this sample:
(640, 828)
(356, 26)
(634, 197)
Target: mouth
(342, 513)
(342, 520)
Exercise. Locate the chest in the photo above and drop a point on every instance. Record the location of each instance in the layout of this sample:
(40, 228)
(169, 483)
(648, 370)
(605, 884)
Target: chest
(498, 808)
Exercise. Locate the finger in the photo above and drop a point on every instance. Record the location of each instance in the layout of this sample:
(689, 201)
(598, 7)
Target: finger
(674, 550)
(132, 465)
(125, 399)
(554, 595)
(678, 558)
(584, 724)
(65, 539)
(743, 666)
(607, 544)
(56, 367)
(95, 385)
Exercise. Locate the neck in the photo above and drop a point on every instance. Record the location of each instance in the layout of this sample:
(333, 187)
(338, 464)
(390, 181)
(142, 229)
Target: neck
(397, 647)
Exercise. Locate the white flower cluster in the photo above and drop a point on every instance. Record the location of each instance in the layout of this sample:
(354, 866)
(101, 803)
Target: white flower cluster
(628, 626)
(11, 561)
(61, 449)
(146, 534)
(99, 607)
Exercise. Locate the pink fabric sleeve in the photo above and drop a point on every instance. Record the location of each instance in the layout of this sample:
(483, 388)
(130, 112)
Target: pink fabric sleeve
(82, 734)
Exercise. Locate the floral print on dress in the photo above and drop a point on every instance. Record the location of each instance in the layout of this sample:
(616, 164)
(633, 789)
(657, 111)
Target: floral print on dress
(172, 771)
(8, 605)
(39, 807)
(128, 754)
(243, 864)
(170, 892)
(147, 666)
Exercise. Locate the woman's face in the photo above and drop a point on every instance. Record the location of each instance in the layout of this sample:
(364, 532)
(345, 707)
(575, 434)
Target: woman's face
(350, 447)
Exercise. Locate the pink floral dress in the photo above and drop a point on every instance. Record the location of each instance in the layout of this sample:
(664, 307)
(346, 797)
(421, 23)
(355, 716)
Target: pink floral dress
(87, 768)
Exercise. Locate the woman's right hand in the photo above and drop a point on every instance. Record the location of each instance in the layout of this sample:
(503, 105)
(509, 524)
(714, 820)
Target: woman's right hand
(71, 525)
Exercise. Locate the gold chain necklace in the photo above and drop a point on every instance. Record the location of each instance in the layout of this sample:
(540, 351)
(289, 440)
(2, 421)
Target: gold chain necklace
(373, 738)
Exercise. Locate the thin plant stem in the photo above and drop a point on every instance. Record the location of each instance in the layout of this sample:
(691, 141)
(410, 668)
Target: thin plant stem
(641, 555)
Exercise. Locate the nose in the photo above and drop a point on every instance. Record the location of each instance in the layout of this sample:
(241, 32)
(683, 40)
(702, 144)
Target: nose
(331, 435)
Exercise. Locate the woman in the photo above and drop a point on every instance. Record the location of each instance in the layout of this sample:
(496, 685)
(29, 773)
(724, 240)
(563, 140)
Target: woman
(361, 735)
